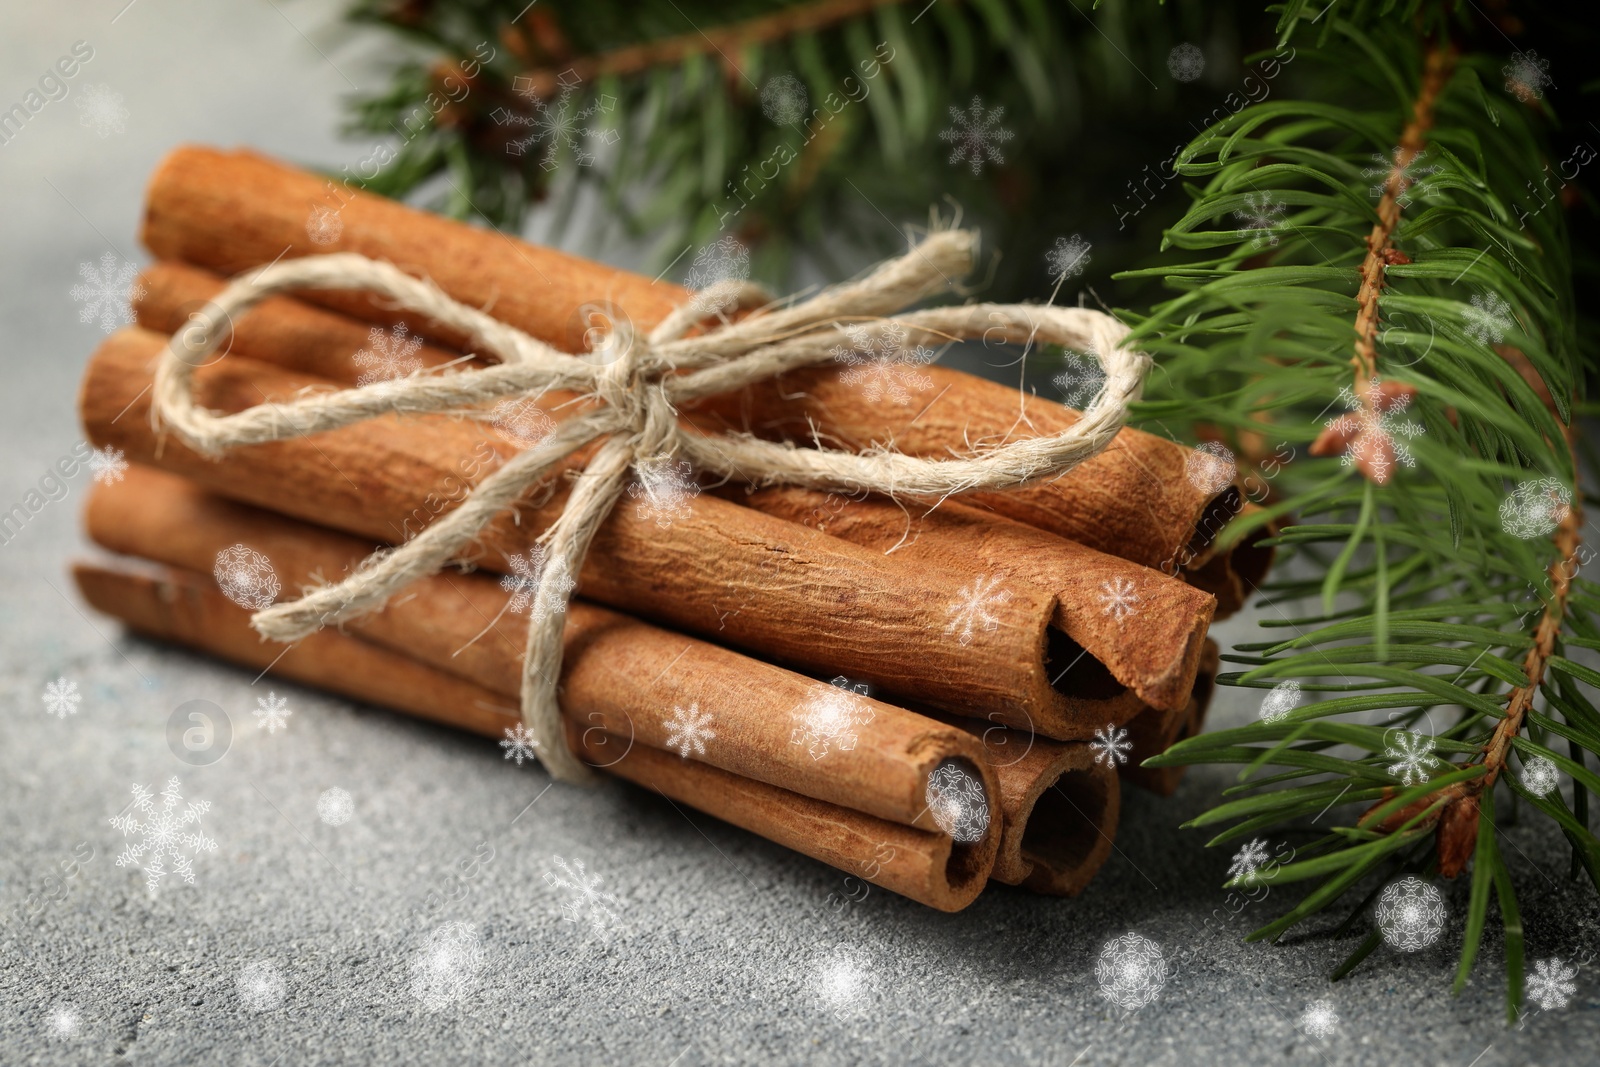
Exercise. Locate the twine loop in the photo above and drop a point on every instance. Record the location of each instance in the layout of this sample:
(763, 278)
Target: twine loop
(638, 390)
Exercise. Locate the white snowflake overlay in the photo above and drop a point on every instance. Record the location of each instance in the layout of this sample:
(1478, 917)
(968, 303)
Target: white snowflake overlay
(1540, 776)
(973, 607)
(958, 803)
(1377, 430)
(162, 837)
(108, 293)
(880, 364)
(272, 713)
(1412, 175)
(844, 982)
(1263, 215)
(100, 109)
(664, 489)
(1118, 599)
(784, 99)
(1535, 508)
(1211, 467)
(446, 968)
(522, 422)
(559, 125)
(1247, 862)
(1319, 1020)
(1413, 755)
(1068, 258)
(1410, 914)
(519, 744)
(976, 135)
(260, 986)
(830, 718)
(61, 698)
(335, 806)
(323, 225)
(724, 260)
(107, 465)
(689, 730)
(1551, 984)
(1488, 318)
(1527, 76)
(246, 577)
(64, 1021)
(1284, 698)
(584, 898)
(527, 571)
(1131, 971)
(1186, 62)
(1080, 383)
(390, 354)
(1111, 745)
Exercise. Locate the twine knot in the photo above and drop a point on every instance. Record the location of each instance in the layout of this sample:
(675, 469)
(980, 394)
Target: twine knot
(637, 384)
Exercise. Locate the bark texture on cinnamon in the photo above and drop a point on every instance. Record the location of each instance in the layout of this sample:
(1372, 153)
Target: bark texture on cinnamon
(1153, 732)
(186, 608)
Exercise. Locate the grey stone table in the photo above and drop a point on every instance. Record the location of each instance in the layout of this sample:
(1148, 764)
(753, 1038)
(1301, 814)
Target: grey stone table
(309, 940)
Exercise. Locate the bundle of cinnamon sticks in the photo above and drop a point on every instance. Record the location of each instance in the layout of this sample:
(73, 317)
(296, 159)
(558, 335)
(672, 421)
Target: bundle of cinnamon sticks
(995, 663)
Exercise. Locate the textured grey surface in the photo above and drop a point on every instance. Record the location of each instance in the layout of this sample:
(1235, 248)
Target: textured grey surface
(724, 942)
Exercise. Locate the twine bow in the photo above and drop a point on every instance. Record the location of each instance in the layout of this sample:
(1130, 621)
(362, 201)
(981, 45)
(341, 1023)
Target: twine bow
(639, 390)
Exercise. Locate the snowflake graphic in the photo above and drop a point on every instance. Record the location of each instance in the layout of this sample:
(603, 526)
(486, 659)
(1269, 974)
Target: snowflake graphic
(879, 362)
(585, 900)
(1262, 214)
(1186, 62)
(958, 803)
(446, 968)
(976, 135)
(100, 109)
(829, 719)
(107, 465)
(162, 835)
(65, 1020)
(335, 806)
(1118, 598)
(1411, 175)
(844, 982)
(272, 713)
(1488, 318)
(323, 225)
(1111, 746)
(1535, 508)
(1131, 971)
(260, 986)
(1211, 467)
(688, 729)
(1527, 76)
(1248, 860)
(784, 99)
(108, 294)
(246, 577)
(1080, 383)
(559, 125)
(1319, 1020)
(725, 260)
(522, 422)
(663, 490)
(1374, 433)
(973, 605)
(519, 744)
(61, 698)
(1410, 914)
(523, 584)
(1551, 984)
(390, 354)
(1284, 698)
(1540, 776)
(1413, 754)
(1068, 258)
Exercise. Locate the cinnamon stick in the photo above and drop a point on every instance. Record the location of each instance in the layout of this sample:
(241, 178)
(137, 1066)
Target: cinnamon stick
(231, 211)
(186, 608)
(1154, 731)
(794, 595)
